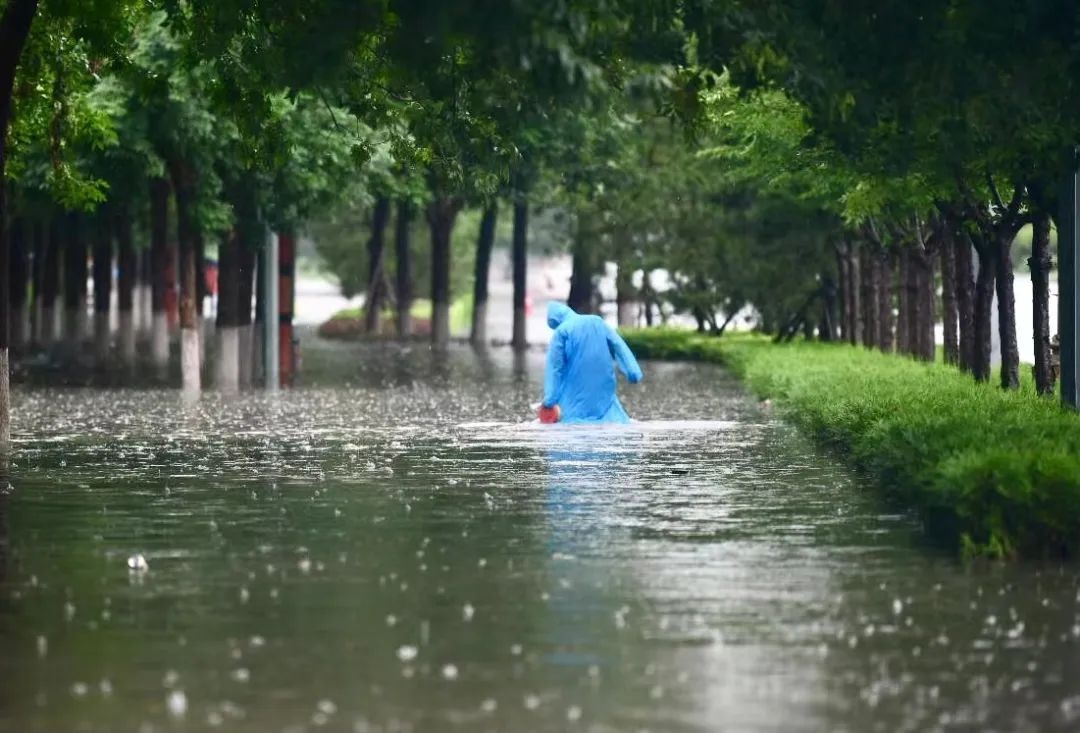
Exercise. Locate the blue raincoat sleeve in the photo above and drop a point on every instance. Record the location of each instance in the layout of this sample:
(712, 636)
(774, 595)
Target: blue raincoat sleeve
(553, 371)
(624, 357)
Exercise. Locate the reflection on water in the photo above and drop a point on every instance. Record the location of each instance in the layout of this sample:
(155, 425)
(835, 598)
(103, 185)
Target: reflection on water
(394, 547)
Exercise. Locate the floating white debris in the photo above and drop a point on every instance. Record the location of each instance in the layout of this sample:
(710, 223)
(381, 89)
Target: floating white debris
(326, 707)
(573, 713)
(137, 562)
(304, 565)
(391, 620)
(241, 675)
(489, 705)
(407, 653)
(244, 595)
(257, 641)
(105, 687)
(450, 672)
(897, 607)
(467, 612)
(532, 702)
(42, 646)
(176, 703)
(515, 649)
(79, 689)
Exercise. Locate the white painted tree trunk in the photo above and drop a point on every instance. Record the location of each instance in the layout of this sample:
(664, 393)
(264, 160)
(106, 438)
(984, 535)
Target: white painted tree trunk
(227, 368)
(126, 333)
(245, 349)
(189, 360)
(159, 350)
(101, 335)
(440, 325)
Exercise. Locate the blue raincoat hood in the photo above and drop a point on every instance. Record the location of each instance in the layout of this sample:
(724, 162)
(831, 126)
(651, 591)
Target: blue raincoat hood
(557, 313)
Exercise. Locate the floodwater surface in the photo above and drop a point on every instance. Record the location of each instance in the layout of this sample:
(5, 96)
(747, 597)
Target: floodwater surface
(394, 547)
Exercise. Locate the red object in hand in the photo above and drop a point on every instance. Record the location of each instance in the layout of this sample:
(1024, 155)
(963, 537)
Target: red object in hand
(549, 415)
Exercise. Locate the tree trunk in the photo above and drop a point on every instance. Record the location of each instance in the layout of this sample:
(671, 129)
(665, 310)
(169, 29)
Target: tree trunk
(144, 303)
(403, 275)
(484, 243)
(886, 267)
(227, 364)
(75, 273)
(984, 302)
(843, 294)
(245, 254)
(925, 315)
(183, 179)
(624, 295)
(950, 311)
(14, 28)
(580, 298)
(286, 306)
(906, 299)
(50, 282)
(1010, 353)
(855, 336)
(827, 328)
(869, 297)
(102, 274)
(18, 237)
(520, 254)
(38, 247)
(159, 257)
(1040, 283)
(375, 295)
(442, 213)
(127, 278)
(965, 301)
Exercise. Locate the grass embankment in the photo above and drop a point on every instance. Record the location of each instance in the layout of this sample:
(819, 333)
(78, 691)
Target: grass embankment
(990, 472)
(348, 323)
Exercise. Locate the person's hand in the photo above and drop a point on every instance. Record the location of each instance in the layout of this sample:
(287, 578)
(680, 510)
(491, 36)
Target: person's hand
(549, 415)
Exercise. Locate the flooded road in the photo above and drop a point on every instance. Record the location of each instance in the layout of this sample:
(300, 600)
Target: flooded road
(391, 548)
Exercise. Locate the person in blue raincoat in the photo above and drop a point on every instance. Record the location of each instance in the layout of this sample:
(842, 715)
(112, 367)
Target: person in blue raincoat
(579, 377)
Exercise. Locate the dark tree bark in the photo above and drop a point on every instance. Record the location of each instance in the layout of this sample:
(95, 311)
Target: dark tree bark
(245, 269)
(1010, 352)
(159, 253)
(855, 264)
(15, 24)
(102, 263)
(580, 298)
(984, 302)
(884, 277)
(201, 289)
(922, 260)
(950, 310)
(1040, 265)
(484, 244)
(50, 275)
(905, 288)
(520, 255)
(75, 272)
(403, 276)
(965, 299)
(869, 286)
(827, 327)
(228, 299)
(18, 242)
(183, 179)
(376, 293)
(442, 212)
(128, 264)
(843, 294)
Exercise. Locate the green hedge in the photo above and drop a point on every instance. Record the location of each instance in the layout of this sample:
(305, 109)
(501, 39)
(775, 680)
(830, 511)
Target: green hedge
(991, 472)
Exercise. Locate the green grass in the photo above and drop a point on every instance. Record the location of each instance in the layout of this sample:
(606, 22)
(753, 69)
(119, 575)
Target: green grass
(990, 472)
(460, 312)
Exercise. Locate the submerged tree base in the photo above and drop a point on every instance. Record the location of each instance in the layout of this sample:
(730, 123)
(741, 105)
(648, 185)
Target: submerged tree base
(991, 473)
